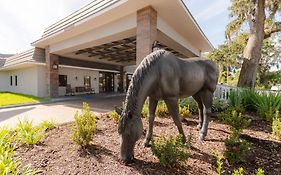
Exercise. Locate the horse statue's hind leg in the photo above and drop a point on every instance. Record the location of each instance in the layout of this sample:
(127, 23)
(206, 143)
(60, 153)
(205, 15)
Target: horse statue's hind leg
(173, 107)
(206, 97)
(197, 98)
(152, 104)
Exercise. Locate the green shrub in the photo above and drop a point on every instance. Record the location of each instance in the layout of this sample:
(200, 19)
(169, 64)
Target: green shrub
(190, 103)
(237, 122)
(47, 125)
(115, 116)
(248, 96)
(235, 100)
(84, 127)
(27, 133)
(219, 161)
(8, 164)
(219, 105)
(144, 111)
(267, 104)
(184, 112)
(162, 110)
(238, 171)
(276, 126)
(170, 150)
(236, 150)
(259, 171)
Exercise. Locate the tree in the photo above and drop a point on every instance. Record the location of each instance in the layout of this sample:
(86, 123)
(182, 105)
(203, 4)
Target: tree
(229, 57)
(258, 17)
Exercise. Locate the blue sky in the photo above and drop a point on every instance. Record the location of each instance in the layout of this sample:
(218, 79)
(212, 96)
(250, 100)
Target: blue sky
(24, 21)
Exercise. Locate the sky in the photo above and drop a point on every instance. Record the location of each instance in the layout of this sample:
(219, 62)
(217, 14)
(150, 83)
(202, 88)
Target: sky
(24, 21)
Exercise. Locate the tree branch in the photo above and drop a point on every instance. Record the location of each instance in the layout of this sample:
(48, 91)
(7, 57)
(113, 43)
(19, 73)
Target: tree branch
(276, 28)
(273, 11)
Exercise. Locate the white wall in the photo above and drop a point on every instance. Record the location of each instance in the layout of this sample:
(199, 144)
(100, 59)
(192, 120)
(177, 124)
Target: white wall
(42, 90)
(3, 81)
(27, 81)
(31, 81)
(72, 73)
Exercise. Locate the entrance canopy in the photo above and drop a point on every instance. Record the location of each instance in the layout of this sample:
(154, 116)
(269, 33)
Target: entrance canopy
(108, 31)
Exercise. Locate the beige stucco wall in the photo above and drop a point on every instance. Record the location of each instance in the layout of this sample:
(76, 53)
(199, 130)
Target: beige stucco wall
(72, 73)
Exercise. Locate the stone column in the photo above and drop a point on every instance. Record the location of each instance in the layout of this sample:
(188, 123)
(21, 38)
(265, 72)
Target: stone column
(52, 73)
(121, 83)
(146, 32)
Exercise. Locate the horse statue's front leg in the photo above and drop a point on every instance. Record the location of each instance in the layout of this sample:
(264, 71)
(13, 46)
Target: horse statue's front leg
(173, 107)
(152, 104)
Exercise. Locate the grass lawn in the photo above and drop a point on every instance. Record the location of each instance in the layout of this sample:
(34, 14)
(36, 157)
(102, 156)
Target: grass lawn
(9, 98)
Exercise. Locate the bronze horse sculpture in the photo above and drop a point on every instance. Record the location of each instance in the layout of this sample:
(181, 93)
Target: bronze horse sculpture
(162, 75)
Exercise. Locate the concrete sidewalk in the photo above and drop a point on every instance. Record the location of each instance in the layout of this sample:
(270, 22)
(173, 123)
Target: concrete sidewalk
(61, 112)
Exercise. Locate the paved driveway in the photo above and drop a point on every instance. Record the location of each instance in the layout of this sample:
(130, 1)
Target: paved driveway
(61, 112)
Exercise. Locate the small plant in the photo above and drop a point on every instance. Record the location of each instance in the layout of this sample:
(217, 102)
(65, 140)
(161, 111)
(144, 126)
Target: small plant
(248, 96)
(219, 105)
(8, 164)
(267, 104)
(184, 112)
(235, 101)
(144, 111)
(162, 110)
(259, 171)
(47, 125)
(27, 133)
(276, 126)
(169, 150)
(190, 103)
(115, 116)
(237, 122)
(219, 160)
(84, 127)
(238, 171)
(236, 150)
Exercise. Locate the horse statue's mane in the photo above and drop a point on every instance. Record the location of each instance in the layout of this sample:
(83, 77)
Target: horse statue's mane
(145, 67)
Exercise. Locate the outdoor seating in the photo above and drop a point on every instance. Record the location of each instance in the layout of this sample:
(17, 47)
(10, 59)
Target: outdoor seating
(69, 90)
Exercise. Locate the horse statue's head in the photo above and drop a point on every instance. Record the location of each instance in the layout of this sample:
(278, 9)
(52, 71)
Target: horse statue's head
(130, 128)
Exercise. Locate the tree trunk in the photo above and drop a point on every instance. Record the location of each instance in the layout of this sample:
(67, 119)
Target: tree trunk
(252, 52)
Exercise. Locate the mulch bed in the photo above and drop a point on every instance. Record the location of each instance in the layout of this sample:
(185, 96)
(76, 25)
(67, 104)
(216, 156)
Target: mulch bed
(57, 153)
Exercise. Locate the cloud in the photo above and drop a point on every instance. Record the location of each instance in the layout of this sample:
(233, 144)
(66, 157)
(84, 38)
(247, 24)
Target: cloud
(22, 22)
(216, 8)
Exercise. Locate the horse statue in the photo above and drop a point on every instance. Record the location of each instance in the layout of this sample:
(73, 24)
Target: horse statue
(162, 75)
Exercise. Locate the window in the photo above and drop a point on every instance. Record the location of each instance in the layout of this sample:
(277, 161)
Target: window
(11, 80)
(16, 80)
(87, 81)
(62, 80)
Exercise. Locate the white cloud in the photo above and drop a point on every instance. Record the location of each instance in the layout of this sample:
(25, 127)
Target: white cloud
(215, 9)
(22, 22)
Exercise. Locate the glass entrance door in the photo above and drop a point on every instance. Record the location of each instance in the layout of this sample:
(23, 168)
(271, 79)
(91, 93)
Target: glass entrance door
(106, 82)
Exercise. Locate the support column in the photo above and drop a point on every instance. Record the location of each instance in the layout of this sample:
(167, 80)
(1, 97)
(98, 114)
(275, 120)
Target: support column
(146, 32)
(121, 83)
(52, 62)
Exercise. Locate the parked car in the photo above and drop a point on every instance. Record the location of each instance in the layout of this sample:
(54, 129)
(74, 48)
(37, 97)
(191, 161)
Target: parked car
(276, 87)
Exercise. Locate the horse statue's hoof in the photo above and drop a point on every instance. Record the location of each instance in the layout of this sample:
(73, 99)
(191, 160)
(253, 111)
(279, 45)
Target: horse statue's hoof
(199, 126)
(202, 137)
(147, 144)
(129, 161)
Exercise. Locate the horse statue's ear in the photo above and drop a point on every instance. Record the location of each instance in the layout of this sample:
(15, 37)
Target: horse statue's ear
(118, 110)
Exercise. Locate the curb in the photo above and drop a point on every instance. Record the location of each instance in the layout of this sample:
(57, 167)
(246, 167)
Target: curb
(58, 100)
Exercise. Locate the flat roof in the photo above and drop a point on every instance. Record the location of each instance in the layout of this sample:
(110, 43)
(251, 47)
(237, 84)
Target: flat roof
(107, 10)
